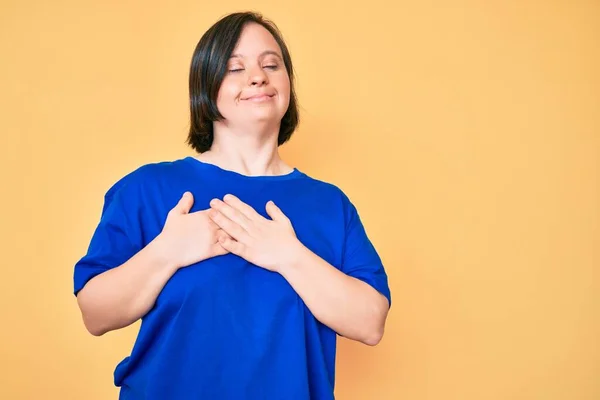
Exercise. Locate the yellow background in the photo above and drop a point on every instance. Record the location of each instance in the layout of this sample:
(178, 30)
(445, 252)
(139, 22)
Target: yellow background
(466, 132)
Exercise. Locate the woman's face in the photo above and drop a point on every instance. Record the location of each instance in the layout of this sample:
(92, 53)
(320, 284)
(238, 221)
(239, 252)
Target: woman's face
(256, 87)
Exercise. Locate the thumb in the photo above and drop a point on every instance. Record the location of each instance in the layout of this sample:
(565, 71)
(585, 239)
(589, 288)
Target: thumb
(185, 203)
(275, 212)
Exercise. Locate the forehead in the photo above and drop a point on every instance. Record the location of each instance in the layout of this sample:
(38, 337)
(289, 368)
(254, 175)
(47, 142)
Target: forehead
(254, 40)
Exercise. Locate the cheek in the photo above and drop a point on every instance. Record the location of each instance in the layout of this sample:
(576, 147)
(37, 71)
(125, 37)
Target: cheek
(228, 93)
(283, 86)
(227, 100)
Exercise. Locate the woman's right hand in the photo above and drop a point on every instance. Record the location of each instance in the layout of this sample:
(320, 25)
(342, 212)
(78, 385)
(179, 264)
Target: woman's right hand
(188, 238)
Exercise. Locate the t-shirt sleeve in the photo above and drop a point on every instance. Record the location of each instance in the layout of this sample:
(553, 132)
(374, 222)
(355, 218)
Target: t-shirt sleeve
(116, 238)
(360, 259)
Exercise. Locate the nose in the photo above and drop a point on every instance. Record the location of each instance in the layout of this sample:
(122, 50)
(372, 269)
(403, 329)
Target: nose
(258, 77)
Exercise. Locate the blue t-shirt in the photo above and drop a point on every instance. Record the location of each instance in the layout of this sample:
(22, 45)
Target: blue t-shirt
(224, 328)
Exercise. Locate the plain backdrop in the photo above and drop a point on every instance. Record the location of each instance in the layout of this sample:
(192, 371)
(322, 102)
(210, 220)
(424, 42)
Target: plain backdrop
(466, 132)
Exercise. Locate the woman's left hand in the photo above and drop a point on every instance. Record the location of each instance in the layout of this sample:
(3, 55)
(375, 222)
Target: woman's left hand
(270, 244)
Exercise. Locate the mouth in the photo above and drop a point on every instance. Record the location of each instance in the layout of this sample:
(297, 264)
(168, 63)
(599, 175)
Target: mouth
(260, 97)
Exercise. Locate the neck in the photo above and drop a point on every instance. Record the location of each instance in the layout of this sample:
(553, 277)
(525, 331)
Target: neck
(252, 152)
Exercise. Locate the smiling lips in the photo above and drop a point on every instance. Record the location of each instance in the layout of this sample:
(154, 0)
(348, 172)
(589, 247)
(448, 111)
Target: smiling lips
(259, 97)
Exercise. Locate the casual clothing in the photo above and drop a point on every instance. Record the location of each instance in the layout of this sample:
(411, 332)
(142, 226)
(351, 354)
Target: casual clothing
(224, 328)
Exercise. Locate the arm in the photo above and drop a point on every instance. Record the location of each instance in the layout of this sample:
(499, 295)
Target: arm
(120, 296)
(347, 305)
(337, 298)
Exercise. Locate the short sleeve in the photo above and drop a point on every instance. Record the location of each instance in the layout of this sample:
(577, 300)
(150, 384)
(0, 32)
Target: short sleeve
(116, 238)
(360, 259)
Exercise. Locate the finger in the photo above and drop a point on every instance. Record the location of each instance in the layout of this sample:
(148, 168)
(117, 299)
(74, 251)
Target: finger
(231, 213)
(242, 207)
(275, 212)
(233, 246)
(185, 203)
(218, 250)
(205, 214)
(221, 234)
(231, 228)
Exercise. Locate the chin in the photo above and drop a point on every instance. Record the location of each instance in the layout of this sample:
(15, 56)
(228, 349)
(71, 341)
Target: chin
(265, 115)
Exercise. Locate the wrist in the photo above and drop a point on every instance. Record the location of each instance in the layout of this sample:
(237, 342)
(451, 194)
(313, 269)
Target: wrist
(159, 249)
(294, 257)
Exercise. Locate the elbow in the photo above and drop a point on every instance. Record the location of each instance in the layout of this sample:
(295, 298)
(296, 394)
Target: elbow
(93, 329)
(91, 324)
(373, 338)
(95, 332)
(376, 329)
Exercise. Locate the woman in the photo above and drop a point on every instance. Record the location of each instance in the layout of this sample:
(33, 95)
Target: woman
(242, 268)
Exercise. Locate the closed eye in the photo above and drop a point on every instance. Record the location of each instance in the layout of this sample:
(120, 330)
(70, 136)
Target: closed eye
(271, 67)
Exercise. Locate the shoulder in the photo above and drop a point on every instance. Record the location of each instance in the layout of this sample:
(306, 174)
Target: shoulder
(331, 193)
(144, 177)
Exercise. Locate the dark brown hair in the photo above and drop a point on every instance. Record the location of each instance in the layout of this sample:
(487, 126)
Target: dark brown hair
(208, 68)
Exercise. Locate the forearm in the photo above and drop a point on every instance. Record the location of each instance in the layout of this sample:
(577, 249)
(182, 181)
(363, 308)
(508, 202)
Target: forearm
(122, 295)
(347, 305)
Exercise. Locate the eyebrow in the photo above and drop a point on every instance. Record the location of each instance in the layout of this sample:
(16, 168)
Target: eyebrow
(264, 53)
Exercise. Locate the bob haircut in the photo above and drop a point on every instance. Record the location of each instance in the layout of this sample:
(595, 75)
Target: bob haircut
(208, 69)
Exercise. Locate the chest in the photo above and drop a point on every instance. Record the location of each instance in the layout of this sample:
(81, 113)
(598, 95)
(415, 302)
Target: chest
(232, 283)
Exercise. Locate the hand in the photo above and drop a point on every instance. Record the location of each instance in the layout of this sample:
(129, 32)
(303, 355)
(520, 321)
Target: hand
(270, 244)
(188, 238)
